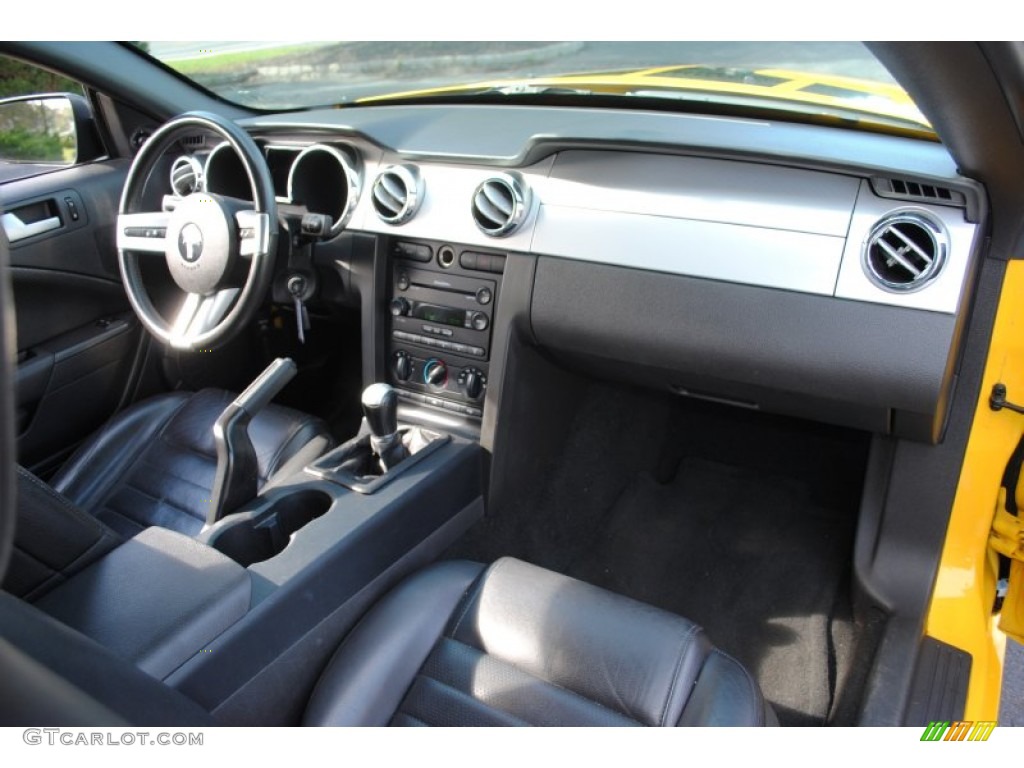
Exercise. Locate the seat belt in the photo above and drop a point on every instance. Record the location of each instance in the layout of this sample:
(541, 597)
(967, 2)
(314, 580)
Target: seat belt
(1006, 540)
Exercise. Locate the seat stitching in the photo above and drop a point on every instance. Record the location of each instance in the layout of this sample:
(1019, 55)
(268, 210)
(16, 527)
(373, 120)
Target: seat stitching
(116, 483)
(60, 498)
(675, 674)
(754, 689)
(59, 573)
(552, 683)
(88, 550)
(403, 713)
(144, 523)
(108, 509)
(467, 697)
(187, 448)
(163, 469)
(471, 598)
(225, 399)
(295, 432)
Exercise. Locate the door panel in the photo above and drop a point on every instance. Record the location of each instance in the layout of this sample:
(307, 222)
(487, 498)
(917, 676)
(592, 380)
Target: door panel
(77, 336)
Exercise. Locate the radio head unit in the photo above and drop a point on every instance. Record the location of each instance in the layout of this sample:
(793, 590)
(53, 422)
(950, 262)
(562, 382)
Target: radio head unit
(440, 320)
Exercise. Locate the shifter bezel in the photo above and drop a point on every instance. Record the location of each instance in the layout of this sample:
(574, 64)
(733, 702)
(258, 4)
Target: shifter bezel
(419, 441)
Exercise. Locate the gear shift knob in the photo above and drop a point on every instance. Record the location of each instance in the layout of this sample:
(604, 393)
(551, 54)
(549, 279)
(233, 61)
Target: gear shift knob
(380, 406)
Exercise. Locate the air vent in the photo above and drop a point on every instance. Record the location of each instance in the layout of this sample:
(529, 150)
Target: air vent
(918, 192)
(195, 140)
(500, 204)
(140, 137)
(905, 251)
(397, 193)
(186, 176)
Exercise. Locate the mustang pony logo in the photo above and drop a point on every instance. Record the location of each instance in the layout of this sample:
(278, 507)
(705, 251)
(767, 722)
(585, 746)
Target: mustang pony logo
(190, 243)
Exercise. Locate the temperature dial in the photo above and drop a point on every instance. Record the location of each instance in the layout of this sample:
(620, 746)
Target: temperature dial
(472, 382)
(401, 364)
(435, 373)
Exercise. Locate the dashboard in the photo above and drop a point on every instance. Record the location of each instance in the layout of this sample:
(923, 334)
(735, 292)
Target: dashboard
(811, 271)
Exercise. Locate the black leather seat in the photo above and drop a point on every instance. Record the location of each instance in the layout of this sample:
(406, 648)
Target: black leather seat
(155, 462)
(455, 644)
(514, 644)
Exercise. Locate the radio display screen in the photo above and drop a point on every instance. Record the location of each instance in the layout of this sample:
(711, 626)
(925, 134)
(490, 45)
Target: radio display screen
(443, 315)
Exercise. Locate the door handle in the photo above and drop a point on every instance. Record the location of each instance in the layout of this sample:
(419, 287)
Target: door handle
(19, 230)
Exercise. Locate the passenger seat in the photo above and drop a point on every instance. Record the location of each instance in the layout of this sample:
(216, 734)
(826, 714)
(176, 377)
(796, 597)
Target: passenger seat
(514, 644)
(456, 644)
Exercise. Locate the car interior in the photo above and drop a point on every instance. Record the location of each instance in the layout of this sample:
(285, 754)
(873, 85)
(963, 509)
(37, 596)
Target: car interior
(454, 412)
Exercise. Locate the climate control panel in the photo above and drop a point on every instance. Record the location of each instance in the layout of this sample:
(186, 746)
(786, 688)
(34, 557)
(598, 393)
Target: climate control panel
(440, 316)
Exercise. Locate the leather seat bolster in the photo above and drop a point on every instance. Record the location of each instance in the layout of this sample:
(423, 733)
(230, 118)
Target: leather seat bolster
(73, 661)
(53, 540)
(372, 670)
(726, 695)
(99, 463)
(277, 433)
(624, 655)
(155, 463)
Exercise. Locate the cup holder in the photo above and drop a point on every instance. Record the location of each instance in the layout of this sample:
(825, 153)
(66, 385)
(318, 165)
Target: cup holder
(266, 533)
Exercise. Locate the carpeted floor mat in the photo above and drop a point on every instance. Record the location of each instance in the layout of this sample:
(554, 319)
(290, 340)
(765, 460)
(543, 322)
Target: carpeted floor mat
(751, 556)
(740, 521)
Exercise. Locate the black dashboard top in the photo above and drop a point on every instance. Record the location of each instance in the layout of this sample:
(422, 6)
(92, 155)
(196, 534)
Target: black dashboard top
(516, 135)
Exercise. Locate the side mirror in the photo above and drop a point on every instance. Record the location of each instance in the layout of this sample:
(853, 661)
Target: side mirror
(48, 129)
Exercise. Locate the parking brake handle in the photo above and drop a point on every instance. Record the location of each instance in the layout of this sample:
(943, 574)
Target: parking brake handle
(237, 470)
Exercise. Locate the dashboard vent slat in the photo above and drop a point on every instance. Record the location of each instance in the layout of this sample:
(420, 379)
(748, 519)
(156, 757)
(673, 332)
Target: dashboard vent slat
(397, 193)
(905, 251)
(917, 192)
(500, 204)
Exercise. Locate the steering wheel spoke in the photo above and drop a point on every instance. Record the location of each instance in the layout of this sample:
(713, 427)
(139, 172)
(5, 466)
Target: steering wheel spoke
(199, 315)
(143, 232)
(253, 233)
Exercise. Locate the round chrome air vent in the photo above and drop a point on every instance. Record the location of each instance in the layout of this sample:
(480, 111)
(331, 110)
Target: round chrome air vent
(397, 193)
(186, 176)
(905, 251)
(500, 204)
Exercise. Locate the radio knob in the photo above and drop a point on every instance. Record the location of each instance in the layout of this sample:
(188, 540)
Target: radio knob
(402, 366)
(399, 306)
(479, 321)
(435, 373)
(472, 381)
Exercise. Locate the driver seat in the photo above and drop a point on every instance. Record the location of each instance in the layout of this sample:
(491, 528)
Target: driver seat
(155, 462)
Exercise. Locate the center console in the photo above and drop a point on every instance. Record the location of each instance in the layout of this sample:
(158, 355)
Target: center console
(299, 562)
(442, 300)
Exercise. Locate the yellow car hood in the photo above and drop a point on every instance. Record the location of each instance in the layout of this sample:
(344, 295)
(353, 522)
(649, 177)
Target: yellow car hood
(886, 102)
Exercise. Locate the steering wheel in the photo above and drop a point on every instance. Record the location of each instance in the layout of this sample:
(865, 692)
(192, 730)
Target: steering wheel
(219, 250)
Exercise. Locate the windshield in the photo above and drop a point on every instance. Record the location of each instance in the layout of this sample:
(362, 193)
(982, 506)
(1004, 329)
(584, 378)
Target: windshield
(824, 80)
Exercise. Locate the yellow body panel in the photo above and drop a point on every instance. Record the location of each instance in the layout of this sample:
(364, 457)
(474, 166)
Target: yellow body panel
(872, 98)
(960, 612)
